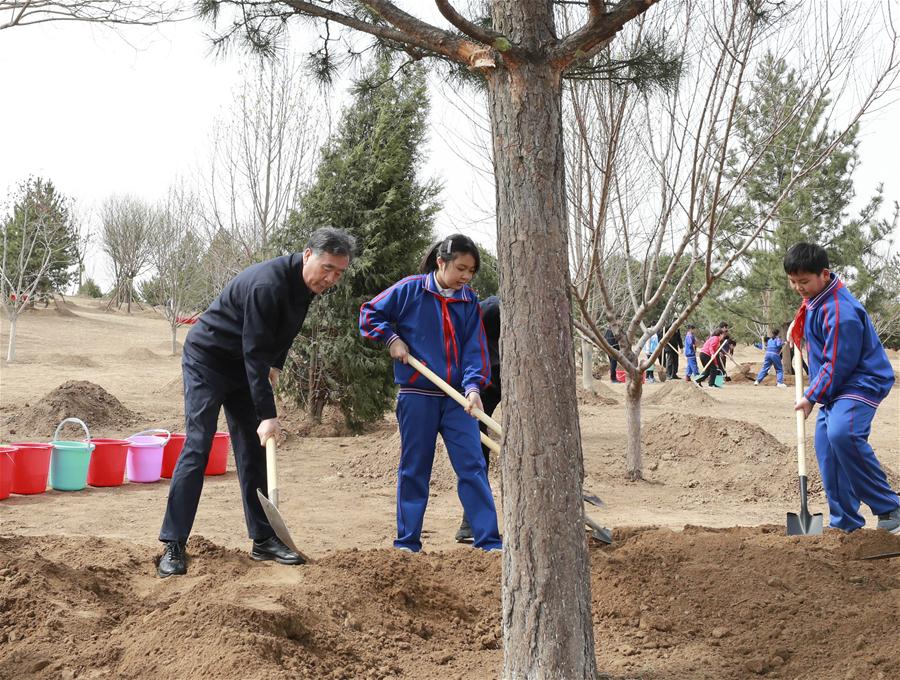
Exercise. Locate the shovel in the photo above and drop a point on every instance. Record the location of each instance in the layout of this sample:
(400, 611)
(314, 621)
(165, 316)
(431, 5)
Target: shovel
(460, 399)
(270, 503)
(802, 524)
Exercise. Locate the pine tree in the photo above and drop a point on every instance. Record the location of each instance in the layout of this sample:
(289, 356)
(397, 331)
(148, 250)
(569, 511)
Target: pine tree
(366, 183)
(816, 212)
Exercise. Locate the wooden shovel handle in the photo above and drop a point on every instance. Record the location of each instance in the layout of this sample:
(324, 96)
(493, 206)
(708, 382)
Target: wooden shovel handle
(271, 471)
(453, 394)
(801, 419)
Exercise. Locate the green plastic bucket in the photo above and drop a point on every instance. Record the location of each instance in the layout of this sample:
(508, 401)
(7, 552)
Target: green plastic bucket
(720, 380)
(70, 460)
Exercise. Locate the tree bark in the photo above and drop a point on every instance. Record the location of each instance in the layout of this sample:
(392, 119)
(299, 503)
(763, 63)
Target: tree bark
(587, 365)
(545, 553)
(11, 348)
(633, 458)
(174, 340)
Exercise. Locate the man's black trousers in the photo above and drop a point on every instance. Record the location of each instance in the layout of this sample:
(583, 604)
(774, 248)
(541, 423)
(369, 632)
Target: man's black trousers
(209, 386)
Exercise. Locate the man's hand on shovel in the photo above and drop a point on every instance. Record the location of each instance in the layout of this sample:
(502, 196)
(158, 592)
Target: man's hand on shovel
(804, 405)
(269, 428)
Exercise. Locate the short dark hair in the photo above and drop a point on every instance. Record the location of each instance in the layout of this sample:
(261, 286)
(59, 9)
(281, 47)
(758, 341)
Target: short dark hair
(775, 331)
(448, 250)
(332, 241)
(690, 326)
(805, 257)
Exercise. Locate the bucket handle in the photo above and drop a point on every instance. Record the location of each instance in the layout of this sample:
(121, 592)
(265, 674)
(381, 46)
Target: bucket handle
(72, 420)
(166, 433)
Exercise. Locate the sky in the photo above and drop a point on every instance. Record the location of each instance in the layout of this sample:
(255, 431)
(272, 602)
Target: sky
(103, 112)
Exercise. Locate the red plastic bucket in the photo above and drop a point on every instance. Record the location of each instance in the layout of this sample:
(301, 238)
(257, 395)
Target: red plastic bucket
(218, 454)
(6, 470)
(107, 466)
(32, 467)
(171, 451)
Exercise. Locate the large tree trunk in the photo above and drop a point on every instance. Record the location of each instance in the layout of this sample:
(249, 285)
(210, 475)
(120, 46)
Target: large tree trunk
(633, 459)
(174, 340)
(587, 365)
(11, 348)
(546, 588)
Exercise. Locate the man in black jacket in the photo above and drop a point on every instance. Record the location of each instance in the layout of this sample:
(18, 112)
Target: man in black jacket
(232, 358)
(671, 351)
(613, 341)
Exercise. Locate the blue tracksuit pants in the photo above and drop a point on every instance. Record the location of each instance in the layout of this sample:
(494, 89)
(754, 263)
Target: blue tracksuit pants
(770, 360)
(421, 418)
(850, 471)
(692, 368)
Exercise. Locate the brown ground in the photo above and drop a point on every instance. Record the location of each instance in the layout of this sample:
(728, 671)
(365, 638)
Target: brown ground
(733, 600)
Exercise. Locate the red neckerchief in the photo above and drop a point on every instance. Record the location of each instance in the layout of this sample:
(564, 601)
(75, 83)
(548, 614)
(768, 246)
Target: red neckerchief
(799, 324)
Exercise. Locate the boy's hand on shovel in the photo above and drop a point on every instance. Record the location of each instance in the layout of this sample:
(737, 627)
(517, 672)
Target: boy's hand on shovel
(399, 351)
(804, 405)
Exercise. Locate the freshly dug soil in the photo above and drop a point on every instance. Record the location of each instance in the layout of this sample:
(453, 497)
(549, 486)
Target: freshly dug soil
(742, 373)
(600, 395)
(680, 393)
(701, 604)
(82, 399)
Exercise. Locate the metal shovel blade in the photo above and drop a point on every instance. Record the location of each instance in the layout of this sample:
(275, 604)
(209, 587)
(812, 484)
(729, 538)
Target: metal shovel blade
(599, 533)
(593, 499)
(278, 525)
(802, 523)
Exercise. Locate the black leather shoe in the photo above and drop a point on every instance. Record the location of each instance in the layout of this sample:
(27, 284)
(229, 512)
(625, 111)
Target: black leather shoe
(464, 533)
(273, 549)
(173, 561)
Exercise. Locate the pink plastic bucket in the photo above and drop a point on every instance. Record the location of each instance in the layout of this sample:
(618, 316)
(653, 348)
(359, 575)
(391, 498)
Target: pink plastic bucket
(107, 466)
(171, 452)
(145, 454)
(218, 454)
(6, 470)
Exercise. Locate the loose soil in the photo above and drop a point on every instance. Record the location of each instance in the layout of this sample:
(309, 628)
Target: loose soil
(731, 599)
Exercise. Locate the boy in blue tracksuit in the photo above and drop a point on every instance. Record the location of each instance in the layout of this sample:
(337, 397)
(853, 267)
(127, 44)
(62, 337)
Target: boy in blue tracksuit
(772, 358)
(849, 375)
(436, 318)
(690, 352)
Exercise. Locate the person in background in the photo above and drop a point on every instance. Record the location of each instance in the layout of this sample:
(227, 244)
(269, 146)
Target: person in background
(850, 374)
(707, 352)
(490, 396)
(649, 349)
(436, 318)
(613, 341)
(232, 358)
(690, 352)
(671, 351)
(772, 358)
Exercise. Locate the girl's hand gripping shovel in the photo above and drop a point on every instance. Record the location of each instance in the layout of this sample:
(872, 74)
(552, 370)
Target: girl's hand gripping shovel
(802, 524)
(270, 503)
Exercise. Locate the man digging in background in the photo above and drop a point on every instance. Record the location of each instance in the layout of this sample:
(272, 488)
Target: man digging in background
(232, 357)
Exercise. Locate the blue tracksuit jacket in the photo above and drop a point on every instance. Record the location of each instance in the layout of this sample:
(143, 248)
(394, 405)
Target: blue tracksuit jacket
(445, 334)
(846, 358)
(690, 346)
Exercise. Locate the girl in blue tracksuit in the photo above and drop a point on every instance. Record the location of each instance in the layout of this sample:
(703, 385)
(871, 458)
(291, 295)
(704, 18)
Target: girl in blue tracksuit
(849, 375)
(772, 358)
(436, 318)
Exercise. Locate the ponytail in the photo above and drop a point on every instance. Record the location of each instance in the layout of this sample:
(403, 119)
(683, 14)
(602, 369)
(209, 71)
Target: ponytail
(448, 250)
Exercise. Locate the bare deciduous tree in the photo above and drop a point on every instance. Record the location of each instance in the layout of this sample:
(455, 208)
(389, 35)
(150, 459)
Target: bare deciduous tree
(127, 231)
(24, 264)
(263, 157)
(175, 254)
(669, 215)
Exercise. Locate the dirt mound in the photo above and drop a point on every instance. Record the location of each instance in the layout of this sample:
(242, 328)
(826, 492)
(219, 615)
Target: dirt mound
(73, 399)
(298, 422)
(700, 604)
(379, 463)
(140, 354)
(600, 395)
(717, 457)
(742, 373)
(173, 390)
(680, 393)
(76, 360)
